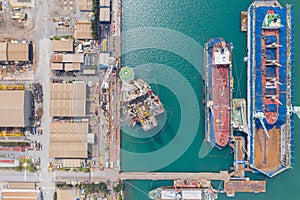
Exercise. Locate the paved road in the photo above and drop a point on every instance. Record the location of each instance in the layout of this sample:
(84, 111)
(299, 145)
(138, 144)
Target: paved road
(43, 76)
(13, 176)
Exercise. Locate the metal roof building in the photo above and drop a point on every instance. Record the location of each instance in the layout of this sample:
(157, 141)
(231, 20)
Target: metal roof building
(57, 66)
(67, 58)
(20, 191)
(15, 51)
(104, 3)
(67, 194)
(104, 15)
(20, 195)
(68, 140)
(83, 29)
(21, 3)
(68, 99)
(18, 52)
(72, 67)
(73, 58)
(62, 45)
(14, 111)
(57, 58)
(3, 51)
(85, 5)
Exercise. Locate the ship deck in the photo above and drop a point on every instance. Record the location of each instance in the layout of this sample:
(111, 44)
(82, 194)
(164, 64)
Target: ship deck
(267, 151)
(218, 92)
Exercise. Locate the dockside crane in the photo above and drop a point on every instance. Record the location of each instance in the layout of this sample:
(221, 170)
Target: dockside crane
(260, 116)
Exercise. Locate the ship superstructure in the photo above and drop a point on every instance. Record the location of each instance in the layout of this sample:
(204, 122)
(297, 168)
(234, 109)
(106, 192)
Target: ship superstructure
(270, 87)
(218, 92)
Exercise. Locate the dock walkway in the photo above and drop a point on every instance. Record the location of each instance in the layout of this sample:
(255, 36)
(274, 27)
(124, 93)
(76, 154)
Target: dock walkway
(222, 175)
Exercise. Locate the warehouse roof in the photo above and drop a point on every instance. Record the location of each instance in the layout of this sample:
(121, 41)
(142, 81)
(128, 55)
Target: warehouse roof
(68, 140)
(18, 52)
(68, 99)
(86, 5)
(69, 58)
(104, 3)
(57, 58)
(3, 51)
(104, 15)
(20, 195)
(72, 58)
(83, 29)
(57, 66)
(12, 108)
(21, 3)
(62, 45)
(72, 66)
(67, 194)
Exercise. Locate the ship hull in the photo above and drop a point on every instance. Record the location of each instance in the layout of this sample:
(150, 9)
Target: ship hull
(218, 92)
(171, 193)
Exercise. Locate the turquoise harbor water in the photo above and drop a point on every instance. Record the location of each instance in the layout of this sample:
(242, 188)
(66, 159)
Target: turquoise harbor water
(162, 40)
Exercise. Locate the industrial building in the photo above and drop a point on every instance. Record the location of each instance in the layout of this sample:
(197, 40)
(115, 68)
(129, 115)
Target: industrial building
(17, 52)
(83, 29)
(68, 99)
(72, 66)
(57, 66)
(67, 58)
(67, 62)
(62, 45)
(104, 16)
(3, 51)
(85, 5)
(67, 194)
(15, 108)
(68, 140)
(22, 3)
(104, 3)
(65, 66)
(20, 191)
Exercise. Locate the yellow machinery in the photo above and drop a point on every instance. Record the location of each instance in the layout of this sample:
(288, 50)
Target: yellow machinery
(100, 160)
(11, 134)
(104, 47)
(12, 87)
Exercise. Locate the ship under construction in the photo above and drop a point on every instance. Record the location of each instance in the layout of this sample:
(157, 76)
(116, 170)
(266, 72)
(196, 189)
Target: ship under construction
(270, 87)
